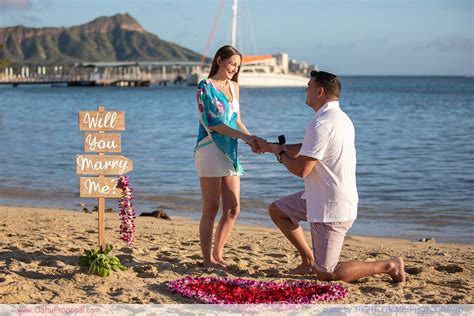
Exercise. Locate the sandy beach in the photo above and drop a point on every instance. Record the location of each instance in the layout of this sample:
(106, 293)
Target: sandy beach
(39, 250)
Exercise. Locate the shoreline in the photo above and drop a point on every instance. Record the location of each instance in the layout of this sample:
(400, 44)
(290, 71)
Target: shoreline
(357, 230)
(193, 221)
(40, 248)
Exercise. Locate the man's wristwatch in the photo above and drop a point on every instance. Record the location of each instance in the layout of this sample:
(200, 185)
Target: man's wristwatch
(279, 155)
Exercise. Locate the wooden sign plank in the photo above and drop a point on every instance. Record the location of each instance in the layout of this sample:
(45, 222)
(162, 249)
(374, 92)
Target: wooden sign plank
(106, 165)
(102, 142)
(101, 121)
(99, 187)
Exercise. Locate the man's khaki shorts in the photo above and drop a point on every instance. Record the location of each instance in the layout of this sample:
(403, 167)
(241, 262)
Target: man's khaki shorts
(327, 238)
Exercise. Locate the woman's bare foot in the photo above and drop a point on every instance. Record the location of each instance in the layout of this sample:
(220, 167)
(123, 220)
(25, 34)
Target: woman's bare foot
(220, 260)
(303, 269)
(213, 264)
(397, 269)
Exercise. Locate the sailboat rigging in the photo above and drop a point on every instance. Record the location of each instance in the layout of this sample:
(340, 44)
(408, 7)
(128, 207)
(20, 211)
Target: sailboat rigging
(259, 70)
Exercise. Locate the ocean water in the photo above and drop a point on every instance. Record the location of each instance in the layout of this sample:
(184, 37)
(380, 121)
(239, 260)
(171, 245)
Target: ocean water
(414, 140)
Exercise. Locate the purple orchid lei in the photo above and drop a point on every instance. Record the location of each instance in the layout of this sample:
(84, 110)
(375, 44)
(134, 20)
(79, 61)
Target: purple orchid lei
(215, 290)
(127, 214)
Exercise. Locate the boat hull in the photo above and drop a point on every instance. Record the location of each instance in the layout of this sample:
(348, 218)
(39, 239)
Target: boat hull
(269, 80)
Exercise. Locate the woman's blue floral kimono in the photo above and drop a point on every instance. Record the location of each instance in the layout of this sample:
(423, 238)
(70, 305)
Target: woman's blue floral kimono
(214, 109)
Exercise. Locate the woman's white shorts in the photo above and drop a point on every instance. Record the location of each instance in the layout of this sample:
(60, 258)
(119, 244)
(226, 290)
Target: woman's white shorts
(210, 161)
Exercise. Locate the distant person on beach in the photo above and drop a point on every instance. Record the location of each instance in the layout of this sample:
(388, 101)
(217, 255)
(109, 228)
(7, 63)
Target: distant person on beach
(326, 160)
(216, 156)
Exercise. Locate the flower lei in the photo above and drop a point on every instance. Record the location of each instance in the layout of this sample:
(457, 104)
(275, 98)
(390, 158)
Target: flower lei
(214, 290)
(127, 214)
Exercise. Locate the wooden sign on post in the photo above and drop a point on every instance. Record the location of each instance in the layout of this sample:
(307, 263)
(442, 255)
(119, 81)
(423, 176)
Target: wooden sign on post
(101, 121)
(105, 165)
(102, 143)
(101, 187)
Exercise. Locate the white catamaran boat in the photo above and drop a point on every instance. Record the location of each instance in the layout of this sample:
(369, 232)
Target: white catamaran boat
(261, 70)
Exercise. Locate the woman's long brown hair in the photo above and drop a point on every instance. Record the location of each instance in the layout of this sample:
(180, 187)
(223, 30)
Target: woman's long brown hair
(225, 52)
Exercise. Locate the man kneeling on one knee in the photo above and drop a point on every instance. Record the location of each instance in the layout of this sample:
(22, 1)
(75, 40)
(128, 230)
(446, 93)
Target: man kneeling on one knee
(326, 160)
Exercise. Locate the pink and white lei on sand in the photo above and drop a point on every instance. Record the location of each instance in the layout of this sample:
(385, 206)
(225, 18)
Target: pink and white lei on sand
(127, 213)
(223, 290)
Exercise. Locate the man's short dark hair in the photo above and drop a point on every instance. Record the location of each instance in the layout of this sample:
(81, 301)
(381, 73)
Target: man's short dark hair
(328, 81)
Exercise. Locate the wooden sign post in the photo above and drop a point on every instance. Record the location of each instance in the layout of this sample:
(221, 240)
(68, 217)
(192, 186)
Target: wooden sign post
(96, 140)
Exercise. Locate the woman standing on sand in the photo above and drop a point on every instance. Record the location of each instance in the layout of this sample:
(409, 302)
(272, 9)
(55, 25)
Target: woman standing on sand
(216, 155)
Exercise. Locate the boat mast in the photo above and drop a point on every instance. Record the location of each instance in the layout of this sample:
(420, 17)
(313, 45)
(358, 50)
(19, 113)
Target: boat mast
(234, 23)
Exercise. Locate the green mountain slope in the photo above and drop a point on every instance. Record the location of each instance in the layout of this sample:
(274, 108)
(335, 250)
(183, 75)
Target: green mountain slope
(105, 39)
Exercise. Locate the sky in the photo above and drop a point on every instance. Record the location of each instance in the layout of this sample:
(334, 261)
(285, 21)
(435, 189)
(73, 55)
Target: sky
(346, 37)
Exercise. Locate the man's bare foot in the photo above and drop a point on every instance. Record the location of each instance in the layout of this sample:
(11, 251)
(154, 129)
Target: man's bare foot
(303, 269)
(397, 271)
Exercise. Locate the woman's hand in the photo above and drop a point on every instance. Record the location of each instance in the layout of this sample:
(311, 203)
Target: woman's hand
(265, 147)
(260, 145)
(252, 141)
